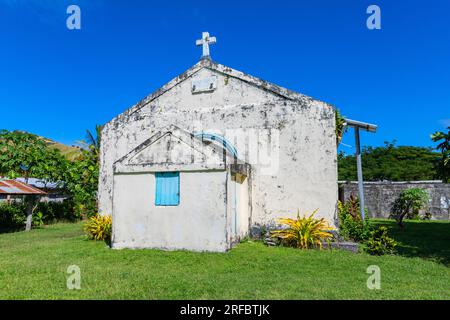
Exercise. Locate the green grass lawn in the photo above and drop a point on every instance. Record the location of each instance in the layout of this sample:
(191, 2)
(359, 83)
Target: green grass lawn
(33, 266)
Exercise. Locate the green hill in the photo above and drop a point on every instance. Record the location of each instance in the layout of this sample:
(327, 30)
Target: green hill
(70, 152)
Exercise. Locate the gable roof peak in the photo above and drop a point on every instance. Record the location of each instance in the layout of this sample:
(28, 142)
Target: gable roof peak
(255, 81)
(222, 69)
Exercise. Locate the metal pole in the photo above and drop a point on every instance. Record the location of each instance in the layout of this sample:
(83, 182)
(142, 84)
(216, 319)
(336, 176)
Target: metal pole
(360, 175)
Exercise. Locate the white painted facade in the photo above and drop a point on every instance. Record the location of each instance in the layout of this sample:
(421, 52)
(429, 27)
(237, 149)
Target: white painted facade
(192, 225)
(287, 139)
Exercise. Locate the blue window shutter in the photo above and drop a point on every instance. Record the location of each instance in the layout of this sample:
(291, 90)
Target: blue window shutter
(167, 189)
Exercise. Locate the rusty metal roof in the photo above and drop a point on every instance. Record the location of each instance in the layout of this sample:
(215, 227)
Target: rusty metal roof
(13, 187)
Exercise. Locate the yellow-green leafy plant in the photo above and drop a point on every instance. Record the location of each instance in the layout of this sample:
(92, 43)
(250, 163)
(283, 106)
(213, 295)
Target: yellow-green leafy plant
(380, 243)
(304, 232)
(340, 126)
(99, 227)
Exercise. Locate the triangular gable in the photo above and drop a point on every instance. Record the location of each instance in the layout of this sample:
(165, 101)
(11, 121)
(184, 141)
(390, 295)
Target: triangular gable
(209, 64)
(172, 149)
(167, 148)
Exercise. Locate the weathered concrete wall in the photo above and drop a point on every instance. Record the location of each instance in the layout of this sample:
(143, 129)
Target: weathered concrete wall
(380, 196)
(301, 129)
(198, 223)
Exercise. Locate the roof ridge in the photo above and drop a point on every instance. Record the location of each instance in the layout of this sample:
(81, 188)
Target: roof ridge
(215, 66)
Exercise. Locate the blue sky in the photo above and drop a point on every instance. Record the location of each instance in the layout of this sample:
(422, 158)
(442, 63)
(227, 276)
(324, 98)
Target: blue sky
(57, 83)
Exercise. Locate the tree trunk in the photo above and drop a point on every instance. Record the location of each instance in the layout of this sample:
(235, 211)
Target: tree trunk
(30, 208)
(29, 221)
(402, 216)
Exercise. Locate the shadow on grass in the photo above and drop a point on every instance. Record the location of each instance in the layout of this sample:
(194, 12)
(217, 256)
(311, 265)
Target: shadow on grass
(11, 229)
(424, 239)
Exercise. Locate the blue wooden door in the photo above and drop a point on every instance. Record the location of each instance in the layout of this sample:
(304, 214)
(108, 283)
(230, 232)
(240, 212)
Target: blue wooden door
(167, 189)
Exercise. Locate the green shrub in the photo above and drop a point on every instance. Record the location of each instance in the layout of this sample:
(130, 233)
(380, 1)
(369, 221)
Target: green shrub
(53, 212)
(38, 219)
(409, 203)
(379, 242)
(12, 216)
(99, 227)
(351, 225)
(355, 230)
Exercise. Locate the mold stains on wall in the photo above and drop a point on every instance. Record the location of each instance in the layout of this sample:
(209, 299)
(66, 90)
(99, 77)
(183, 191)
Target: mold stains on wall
(307, 170)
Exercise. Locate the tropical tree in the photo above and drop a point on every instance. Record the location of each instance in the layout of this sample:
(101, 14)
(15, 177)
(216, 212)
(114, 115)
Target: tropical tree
(26, 155)
(92, 141)
(444, 147)
(83, 174)
(409, 203)
(391, 162)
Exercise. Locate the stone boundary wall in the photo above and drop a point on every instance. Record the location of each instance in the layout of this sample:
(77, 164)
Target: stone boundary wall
(380, 196)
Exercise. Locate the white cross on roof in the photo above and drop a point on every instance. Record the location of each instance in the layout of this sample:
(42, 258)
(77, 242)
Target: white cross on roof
(205, 41)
